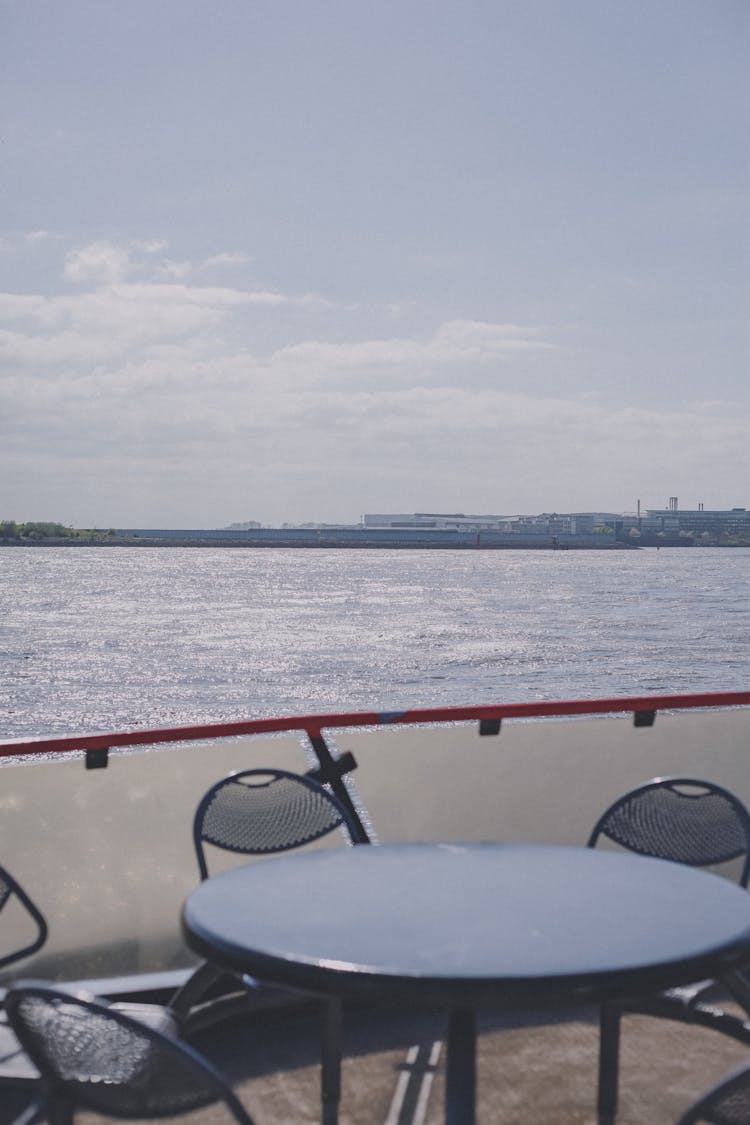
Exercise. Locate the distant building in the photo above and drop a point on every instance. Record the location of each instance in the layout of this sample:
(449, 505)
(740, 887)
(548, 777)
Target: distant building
(321, 526)
(454, 520)
(669, 526)
(728, 521)
(548, 523)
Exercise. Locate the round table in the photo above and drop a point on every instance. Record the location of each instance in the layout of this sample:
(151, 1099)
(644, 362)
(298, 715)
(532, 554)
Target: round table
(469, 923)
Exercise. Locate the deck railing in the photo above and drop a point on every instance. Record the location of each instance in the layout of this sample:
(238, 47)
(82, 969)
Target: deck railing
(98, 827)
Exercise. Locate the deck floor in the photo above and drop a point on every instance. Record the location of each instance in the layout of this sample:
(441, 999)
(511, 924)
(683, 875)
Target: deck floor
(530, 1072)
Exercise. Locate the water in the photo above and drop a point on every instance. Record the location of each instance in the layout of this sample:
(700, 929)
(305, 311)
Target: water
(117, 638)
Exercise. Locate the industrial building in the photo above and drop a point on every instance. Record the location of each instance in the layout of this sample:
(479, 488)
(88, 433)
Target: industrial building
(668, 526)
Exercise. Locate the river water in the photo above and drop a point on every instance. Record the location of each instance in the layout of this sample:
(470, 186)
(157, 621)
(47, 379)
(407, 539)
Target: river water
(117, 638)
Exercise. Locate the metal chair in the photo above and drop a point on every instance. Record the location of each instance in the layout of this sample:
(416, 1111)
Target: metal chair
(262, 812)
(727, 1103)
(691, 821)
(12, 891)
(92, 1055)
(18, 1075)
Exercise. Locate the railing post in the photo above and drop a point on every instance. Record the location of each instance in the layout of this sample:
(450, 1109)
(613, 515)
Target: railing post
(331, 773)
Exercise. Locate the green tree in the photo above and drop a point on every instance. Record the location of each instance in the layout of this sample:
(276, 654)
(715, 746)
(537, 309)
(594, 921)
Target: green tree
(45, 530)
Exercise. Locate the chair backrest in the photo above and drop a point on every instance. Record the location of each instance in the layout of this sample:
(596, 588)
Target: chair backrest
(684, 819)
(262, 811)
(11, 890)
(728, 1103)
(94, 1056)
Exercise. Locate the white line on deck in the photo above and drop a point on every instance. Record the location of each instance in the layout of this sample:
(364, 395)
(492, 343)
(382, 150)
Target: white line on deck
(399, 1095)
(427, 1079)
(400, 1092)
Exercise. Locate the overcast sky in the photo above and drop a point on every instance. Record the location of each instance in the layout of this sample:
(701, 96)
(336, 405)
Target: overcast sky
(296, 260)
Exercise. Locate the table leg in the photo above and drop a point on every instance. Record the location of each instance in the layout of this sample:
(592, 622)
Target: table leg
(330, 1059)
(460, 1067)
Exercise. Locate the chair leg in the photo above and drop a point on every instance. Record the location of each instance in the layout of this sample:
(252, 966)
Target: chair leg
(609, 1063)
(330, 1059)
(59, 1110)
(34, 1113)
(738, 986)
(194, 990)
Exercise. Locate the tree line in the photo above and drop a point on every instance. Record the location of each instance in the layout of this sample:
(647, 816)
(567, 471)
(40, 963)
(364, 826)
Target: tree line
(44, 529)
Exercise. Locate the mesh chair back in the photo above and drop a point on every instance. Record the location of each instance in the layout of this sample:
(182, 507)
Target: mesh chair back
(726, 1104)
(261, 811)
(92, 1055)
(682, 819)
(10, 890)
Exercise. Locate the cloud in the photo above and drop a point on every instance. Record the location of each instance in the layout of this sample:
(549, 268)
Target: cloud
(105, 262)
(114, 318)
(468, 345)
(150, 245)
(157, 362)
(473, 333)
(142, 377)
(100, 263)
(235, 258)
(177, 270)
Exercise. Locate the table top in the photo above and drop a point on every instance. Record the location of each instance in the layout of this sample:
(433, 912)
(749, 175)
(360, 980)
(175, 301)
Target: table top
(471, 921)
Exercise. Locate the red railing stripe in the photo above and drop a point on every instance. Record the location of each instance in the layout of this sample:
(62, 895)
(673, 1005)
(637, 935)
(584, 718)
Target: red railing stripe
(313, 725)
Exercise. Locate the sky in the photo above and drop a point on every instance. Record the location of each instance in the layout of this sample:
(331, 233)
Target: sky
(299, 260)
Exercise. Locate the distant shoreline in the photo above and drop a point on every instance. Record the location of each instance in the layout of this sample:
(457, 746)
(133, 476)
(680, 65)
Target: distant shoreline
(307, 539)
(322, 543)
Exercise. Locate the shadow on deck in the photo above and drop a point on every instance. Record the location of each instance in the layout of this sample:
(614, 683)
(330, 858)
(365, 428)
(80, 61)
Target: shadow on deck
(530, 1071)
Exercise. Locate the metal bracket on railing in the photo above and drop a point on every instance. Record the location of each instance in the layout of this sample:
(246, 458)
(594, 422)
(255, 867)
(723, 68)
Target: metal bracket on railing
(644, 718)
(489, 726)
(97, 759)
(331, 772)
(338, 766)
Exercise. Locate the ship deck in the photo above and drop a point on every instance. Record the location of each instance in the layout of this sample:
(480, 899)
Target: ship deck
(531, 1070)
(544, 778)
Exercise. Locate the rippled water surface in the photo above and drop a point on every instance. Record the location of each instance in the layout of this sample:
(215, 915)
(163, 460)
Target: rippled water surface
(114, 638)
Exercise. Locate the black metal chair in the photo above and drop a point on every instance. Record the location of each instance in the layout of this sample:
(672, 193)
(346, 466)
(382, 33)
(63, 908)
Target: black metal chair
(92, 1055)
(262, 812)
(691, 821)
(11, 892)
(19, 1075)
(18, 912)
(727, 1103)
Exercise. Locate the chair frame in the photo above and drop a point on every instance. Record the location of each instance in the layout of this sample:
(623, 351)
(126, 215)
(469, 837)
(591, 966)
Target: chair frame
(345, 818)
(683, 1005)
(207, 974)
(59, 1098)
(17, 1073)
(15, 888)
(737, 1080)
(741, 810)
